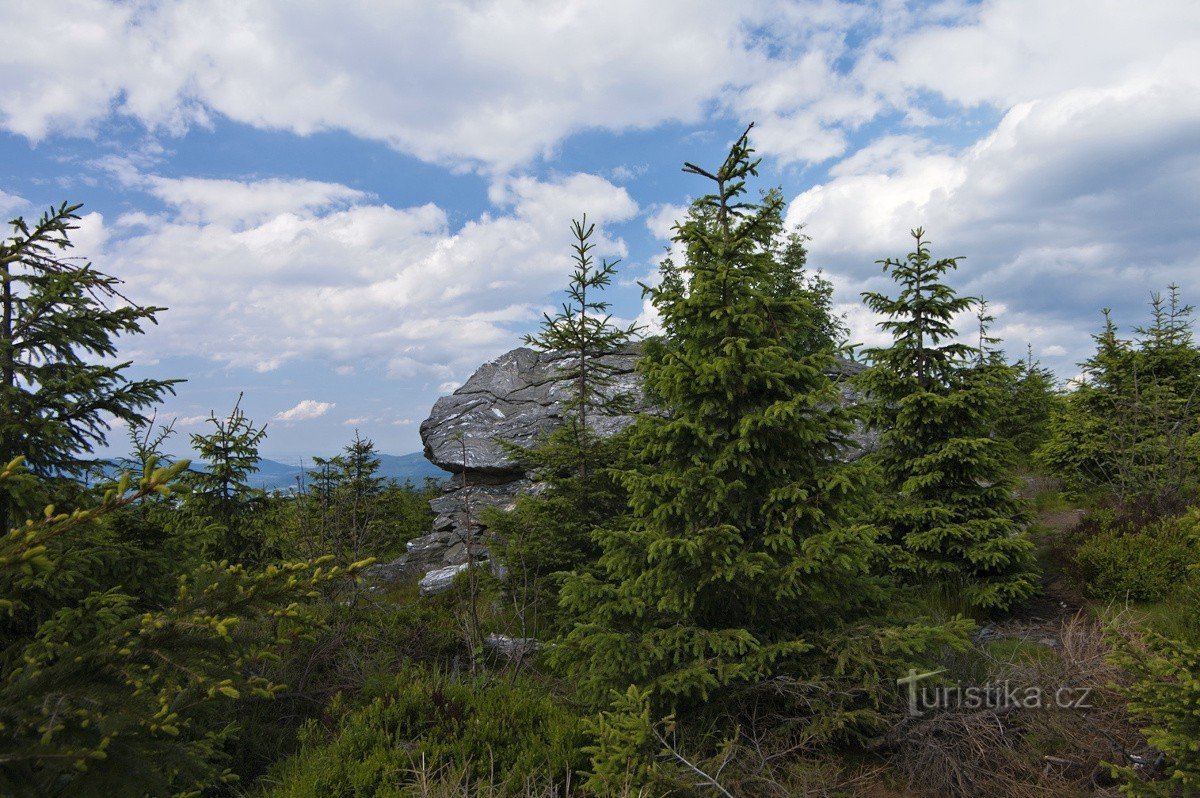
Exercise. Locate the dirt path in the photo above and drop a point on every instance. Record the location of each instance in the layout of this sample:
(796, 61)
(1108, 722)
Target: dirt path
(1041, 618)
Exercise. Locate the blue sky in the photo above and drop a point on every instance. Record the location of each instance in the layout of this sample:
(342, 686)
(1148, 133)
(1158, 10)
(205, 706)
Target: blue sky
(349, 207)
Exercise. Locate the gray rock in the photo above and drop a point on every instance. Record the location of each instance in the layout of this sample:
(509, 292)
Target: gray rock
(439, 580)
(511, 647)
(517, 398)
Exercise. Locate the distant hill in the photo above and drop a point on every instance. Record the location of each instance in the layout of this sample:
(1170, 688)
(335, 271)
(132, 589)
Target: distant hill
(274, 475)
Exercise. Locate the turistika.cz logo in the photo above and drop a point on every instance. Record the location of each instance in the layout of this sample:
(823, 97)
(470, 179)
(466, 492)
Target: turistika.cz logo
(1004, 695)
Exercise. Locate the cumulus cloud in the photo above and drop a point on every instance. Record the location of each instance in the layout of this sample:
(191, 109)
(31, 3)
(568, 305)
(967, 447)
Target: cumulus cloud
(497, 83)
(260, 273)
(190, 421)
(662, 219)
(492, 83)
(1076, 200)
(10, 203)
(1083, 188)
(306, 410)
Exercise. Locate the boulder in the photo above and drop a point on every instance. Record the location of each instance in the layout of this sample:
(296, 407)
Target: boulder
(517, 398)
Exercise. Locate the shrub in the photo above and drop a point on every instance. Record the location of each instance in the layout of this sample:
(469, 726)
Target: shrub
(1166, 693)
(512, 733)
(1139, 564)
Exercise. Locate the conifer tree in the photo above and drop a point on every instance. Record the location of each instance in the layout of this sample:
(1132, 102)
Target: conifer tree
(950, 507)
(104, 693)
(552, 533)
(1130, 427)
(584, 332)
(340, 504)
(1031, 402)
(221, 492)
(59, 320)
(741, 556)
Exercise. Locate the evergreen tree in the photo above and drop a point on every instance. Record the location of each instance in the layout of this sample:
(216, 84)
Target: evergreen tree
(1130, 428)
(146, 545)
(950, 507)
(783, 255)
(103, 693)
(551, 533)
(1031, 401)
(584, 332)
(58, 318)
(741, 559)
(341, 502)
(221, 493)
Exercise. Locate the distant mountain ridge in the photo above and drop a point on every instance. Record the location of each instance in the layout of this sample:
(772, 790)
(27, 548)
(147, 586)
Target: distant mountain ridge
(273, 475)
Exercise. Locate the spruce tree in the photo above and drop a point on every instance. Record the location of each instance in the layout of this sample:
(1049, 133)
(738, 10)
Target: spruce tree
(1129, 428)
(583, 332)
(221, 494)
(59, 320)
(1028, 408)
(106, 693)
(741, 557)
(551, 533)
(949, 506)
(340, 512)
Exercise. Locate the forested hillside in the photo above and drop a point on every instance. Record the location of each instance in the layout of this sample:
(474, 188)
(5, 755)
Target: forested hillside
(1000, 598)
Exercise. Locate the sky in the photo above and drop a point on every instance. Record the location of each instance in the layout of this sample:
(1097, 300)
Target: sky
(348, 207)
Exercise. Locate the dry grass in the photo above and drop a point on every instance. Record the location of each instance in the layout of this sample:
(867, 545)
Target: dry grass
(1021, 752)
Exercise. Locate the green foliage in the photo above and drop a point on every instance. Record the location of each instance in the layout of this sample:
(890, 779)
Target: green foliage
(341, 509)
(1130, 429)
(783, 256)
(1166, 694)
(740, 559)
(552, 533)
(360, 643)
(948, 506)
(59, 322)
(420, 721)
(99, 695)
(623, 758)
(220, 495)
(1030, 401)
(1146, 563)
(583, 330)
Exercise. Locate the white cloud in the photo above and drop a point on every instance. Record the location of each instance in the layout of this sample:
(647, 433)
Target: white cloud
(497, 83)
(243, 203)
(1010, 51)
(10, 203)
(1084, 188)
(662, 219)
(494, 83)
(190, 421)
(257, 274)
(1077, 200)
(306, 410)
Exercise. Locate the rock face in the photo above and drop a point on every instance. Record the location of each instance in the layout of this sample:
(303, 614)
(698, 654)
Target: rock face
(516, 398)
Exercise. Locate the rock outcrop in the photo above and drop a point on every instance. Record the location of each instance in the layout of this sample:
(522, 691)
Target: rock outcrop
(517, 398)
